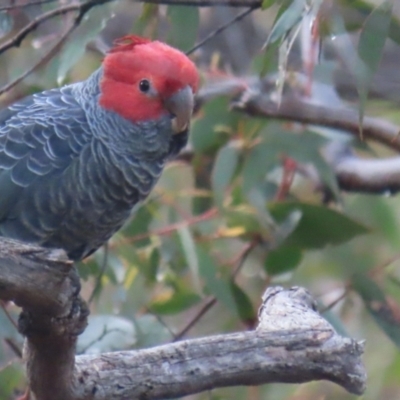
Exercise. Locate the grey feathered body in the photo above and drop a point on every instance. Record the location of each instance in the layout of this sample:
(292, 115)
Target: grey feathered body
(70, 171)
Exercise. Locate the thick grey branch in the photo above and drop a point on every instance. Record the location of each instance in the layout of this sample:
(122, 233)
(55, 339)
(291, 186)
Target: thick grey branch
(293, 343)
(258, 98)
(45, 284)
(35, 278)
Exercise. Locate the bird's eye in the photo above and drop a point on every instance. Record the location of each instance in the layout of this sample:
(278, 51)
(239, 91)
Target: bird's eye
(144, 85)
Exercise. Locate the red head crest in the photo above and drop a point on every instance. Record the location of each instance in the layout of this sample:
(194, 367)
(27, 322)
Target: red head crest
(127, 43)
(133, 60)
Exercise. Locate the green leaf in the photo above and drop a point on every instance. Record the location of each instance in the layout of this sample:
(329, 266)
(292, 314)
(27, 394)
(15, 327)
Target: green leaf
(215, 119)
(359, 9)
(177, 303)
(149, 12)
(318, 227)
(11, 376)
(243, 217)
(258, 162)
(224, 169)
(6, 23)
(394, 30)
(267, 4)
(153, 265)
(304, 147)
(385, 314)
(244, 306)
(189, 250)
(217, 286)
(287, 21)
(370, 49)
(184, 25)
(139, 224)
(283, 259)
(91, 25)
(243, 303)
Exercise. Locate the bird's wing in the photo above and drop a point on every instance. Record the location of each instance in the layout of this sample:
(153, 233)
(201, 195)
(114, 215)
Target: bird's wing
(39, 135)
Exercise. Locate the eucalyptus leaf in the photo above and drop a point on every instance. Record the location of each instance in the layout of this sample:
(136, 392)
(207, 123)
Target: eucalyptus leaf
(6, 23)
(184, 25)
(370, 49)
(385, 313)
(224, 169)
(318, 227)
(214, 284)
(282, 260)
(92, 24)
(287, 21)
(178, 302)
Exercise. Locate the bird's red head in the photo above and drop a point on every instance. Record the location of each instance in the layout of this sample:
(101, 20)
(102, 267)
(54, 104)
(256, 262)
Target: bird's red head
(144, 80)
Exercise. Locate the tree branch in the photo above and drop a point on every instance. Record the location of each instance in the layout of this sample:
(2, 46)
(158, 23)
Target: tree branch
(363, 174)
(290, 333)
(291, 344)
(221, 28)
(45, 284)
(82, 9)
(34, 277)
(257, 97)
(295, 108)
(29, 4)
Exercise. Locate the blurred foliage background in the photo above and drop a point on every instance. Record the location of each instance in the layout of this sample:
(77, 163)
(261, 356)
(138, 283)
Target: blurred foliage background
(234, 213)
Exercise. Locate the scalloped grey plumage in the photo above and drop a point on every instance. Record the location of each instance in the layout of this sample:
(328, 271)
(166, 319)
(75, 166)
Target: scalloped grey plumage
(71, 172)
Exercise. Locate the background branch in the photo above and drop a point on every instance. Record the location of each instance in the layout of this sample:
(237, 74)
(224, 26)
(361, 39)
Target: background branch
(257, 98)
(295, 108)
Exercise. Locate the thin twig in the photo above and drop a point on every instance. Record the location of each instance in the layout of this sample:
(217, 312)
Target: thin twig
(14, 347)
(31, 3)
(221, 29)
(379, 269)
(3, 305)
(82, 9)
(210, 301)
(44, 60)
(9, 363)
(103, 334)
(160, 320)
(242, 257)
(289, 171)
(337, 300)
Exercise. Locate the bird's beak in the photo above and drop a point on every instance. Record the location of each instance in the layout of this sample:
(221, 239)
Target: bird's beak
(181, 106)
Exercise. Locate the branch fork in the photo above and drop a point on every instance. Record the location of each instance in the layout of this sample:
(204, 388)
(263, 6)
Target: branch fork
(292, 342)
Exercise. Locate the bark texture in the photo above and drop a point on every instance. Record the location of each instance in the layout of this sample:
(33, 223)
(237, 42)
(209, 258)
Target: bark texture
(292, 342)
